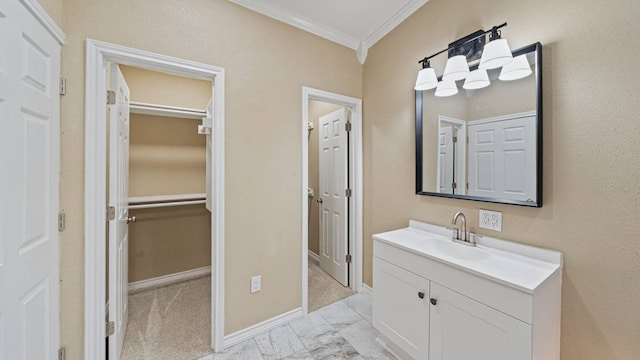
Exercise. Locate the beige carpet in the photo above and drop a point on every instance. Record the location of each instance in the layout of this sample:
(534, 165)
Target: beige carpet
(323, 289)
(170, 323)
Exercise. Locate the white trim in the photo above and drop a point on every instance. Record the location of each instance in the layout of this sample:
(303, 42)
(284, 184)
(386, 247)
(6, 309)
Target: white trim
(41, 15)
(315, 257)
(97, 55)
(395, 20)
(301, 23)
(170, 279)
(262, 327)
(502, 118)
(367, 290)
(167, 204)
(355, 174)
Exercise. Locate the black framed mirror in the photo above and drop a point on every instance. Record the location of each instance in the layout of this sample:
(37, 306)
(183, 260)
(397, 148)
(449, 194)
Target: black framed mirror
(484, 144)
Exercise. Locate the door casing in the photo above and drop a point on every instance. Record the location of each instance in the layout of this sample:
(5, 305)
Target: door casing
(97, 55)
(353, 105)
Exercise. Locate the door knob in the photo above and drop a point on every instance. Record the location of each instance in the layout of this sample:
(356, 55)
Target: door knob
(433, 301)
(421, 295)
(319, 201)
(131, 219)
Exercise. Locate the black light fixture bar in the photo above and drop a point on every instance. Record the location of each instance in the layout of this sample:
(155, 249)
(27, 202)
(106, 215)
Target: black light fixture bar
(494, 30)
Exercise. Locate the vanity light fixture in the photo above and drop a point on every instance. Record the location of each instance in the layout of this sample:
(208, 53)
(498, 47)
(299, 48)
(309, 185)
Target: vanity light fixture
(496, 53)
(427, 78)
(518, 68)
(446, 88)
(477, 79)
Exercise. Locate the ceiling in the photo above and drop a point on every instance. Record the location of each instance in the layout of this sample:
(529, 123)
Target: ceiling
(357, 24)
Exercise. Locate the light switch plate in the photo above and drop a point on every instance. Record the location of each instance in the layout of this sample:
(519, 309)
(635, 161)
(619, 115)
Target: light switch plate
(256, 284)
(491, 220)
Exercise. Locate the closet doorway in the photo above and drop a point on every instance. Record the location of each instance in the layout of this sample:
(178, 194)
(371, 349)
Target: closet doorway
(158, 246)
(332, 202)
(154, 163)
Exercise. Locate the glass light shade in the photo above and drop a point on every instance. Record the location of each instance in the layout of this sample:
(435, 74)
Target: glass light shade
(457, 68)
(426, 80)
(518, 68)
(446, 88)
(495, 54)
(477, 79)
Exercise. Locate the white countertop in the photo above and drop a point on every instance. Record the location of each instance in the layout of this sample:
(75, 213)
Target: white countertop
(516, 265)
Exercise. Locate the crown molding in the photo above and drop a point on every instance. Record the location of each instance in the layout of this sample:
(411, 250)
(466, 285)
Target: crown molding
(361, 46)
(300, 23)
(397, 19)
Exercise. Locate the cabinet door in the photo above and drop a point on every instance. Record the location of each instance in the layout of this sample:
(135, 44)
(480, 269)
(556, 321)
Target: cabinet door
(462, 328)
(401, 308)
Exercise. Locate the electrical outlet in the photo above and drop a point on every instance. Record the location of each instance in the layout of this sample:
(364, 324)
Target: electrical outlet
(256, 283)
(491, 220)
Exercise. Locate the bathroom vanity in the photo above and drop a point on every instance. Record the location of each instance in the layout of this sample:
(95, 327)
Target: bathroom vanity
(439, 300)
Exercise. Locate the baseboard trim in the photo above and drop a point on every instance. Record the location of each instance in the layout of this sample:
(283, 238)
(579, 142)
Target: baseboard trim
(165, 280)
(366, 289)
(262, 327)
(315, 257)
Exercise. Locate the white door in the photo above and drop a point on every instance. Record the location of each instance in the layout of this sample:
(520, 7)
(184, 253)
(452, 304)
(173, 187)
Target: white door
(118, 199)
(462, 328)
(502, 158)
(334, 202)
(401, 308)
(29, 186)
(445, 160)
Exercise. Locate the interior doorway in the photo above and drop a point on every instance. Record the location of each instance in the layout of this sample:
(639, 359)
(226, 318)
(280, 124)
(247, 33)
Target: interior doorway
(99, 55)
(332, 198)
(160, 235)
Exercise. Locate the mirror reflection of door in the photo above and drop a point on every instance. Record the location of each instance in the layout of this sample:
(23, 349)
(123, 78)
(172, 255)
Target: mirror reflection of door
(451, 177)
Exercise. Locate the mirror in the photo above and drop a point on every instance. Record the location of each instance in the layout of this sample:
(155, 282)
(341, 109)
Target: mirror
(484, 144)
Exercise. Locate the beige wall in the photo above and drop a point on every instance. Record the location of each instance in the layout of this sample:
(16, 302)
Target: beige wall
(168, 240)
(591, 144)
(54, 9)
(266, 63)
(153, 87)
(316, 110)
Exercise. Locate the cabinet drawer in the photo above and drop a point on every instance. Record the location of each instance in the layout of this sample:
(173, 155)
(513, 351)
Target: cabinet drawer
(401, 308)
(510, 301)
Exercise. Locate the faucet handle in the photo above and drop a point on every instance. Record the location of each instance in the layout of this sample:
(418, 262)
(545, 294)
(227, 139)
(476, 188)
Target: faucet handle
(455, 233)
(473, 237)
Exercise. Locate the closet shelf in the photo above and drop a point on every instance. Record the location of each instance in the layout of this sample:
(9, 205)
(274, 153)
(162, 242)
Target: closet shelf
(167, 111)
(157, 201)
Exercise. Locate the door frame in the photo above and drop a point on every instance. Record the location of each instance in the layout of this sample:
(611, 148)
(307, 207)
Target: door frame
(355, 176)
(461, 148)
(98, 53)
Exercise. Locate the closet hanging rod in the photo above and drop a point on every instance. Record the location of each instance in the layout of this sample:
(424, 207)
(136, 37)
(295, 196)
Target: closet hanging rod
(166, 204)
(168, 111)
(166, 198)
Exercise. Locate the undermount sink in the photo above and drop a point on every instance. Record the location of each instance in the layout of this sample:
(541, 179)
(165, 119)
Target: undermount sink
(461, 251)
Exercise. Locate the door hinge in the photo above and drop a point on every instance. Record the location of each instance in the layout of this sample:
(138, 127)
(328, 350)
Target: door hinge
(62, 354)
(63, 86)
(111, 213)
(111, 97)
(110, 328)
(348, 258)
(347, 126)
(347, 192)
(61, 221)
(467, 186)
(455, 139)
(454, 185)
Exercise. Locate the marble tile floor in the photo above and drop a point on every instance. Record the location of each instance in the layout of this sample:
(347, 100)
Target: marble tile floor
(341, 330)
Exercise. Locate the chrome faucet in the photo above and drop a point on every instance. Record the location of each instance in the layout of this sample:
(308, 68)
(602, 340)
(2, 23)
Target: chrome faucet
(464, 225)
(466, 238)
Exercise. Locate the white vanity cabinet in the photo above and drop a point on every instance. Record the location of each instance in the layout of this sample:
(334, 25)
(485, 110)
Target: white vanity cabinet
(437, 300)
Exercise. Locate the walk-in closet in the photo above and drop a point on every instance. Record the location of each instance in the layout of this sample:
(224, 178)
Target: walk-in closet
(167, 254)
